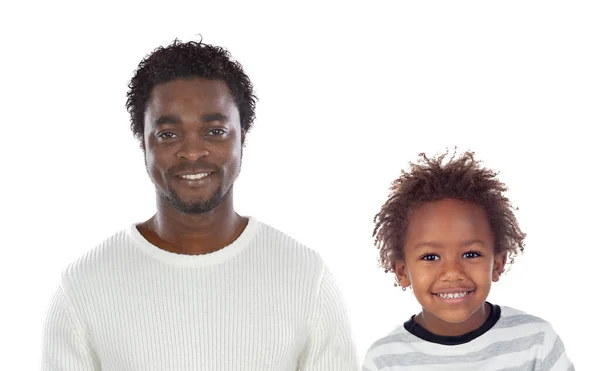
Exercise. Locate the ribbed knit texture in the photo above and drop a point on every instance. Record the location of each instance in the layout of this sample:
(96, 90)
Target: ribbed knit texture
(265, 302)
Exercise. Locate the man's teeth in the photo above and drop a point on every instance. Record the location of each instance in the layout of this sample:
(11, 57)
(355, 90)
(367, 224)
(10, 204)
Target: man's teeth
(455, 295)
(194, 176)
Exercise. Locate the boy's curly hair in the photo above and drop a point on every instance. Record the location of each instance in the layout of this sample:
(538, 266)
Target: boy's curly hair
(431, 180)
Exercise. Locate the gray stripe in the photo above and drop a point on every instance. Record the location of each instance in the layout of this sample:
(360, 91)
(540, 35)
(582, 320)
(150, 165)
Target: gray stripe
(404, 337)
(517, 320)
(529, 365)
(492, 350)
(557, 350)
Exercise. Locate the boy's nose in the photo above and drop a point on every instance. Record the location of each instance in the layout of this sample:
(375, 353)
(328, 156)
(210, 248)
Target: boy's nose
(452, 270)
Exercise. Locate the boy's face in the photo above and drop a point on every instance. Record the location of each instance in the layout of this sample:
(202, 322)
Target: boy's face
(449, 260)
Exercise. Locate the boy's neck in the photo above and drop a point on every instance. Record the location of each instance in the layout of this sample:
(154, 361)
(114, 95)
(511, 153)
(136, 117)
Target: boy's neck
(439, 327)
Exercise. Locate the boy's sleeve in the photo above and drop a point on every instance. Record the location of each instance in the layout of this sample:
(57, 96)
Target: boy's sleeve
(64, 346)
(554, 357)
(330, 345)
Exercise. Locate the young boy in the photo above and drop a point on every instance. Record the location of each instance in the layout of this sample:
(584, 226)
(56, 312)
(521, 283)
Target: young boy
(447, 231)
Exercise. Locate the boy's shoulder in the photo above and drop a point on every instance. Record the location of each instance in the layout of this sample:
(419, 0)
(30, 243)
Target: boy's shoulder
(397, 335)
(511, 317)
(396, 341)
(391, 345)
(535, 332)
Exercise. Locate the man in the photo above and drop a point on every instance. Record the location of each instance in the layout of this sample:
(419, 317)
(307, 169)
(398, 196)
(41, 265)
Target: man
(197, 286)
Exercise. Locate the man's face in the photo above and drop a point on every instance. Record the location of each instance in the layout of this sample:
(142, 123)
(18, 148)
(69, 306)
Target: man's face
(192, 143)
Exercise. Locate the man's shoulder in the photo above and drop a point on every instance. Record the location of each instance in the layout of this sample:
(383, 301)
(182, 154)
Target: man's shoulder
(98, 259)
(282, 240)
(286, 246)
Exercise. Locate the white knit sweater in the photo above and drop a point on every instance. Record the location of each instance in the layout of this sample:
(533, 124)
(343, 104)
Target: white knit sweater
(265, 302)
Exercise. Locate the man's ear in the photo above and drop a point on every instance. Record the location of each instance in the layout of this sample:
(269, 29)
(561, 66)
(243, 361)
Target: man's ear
(499, 264)
(140, 137)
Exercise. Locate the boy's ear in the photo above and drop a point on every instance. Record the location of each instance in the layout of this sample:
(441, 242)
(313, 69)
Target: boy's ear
(401, 273)
(499, 264)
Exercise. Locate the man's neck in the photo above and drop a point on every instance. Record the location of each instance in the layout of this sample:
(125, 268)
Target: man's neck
(194, 234)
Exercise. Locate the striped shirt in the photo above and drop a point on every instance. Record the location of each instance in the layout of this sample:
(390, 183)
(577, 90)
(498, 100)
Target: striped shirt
(510, 340)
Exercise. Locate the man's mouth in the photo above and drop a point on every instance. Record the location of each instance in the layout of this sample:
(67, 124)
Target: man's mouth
(194, 176)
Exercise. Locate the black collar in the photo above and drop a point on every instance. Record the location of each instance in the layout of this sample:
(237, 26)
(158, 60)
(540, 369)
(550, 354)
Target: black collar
(419, 331)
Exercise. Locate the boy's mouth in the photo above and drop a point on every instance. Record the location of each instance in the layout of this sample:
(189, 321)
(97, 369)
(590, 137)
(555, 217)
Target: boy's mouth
(454, 296)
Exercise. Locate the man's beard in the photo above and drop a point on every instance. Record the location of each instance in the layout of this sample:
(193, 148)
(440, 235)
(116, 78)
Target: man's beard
(195, 207)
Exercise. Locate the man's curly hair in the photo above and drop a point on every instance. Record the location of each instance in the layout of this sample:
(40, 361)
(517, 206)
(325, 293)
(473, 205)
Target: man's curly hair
(185, 61)
(431, 180)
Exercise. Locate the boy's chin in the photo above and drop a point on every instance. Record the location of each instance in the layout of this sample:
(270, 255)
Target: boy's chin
(456, 315)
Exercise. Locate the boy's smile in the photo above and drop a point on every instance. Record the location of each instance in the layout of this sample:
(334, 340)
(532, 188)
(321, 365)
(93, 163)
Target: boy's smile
(450, 263)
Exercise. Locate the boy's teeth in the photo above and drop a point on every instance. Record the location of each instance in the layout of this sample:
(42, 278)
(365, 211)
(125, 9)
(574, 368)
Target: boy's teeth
(455, 295)
(194, 176)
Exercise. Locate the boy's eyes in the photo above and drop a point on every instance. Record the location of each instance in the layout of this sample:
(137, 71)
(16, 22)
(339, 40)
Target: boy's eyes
(467, 255)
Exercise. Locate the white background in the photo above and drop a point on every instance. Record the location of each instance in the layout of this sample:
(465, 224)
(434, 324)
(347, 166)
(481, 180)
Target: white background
(348, 95)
